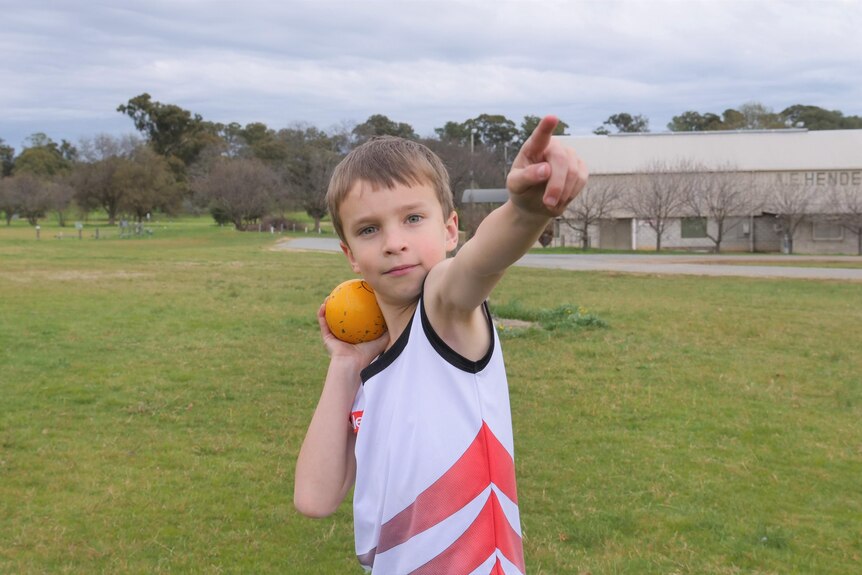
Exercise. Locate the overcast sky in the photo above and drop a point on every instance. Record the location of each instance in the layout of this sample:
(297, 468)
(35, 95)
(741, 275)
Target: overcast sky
(65, 66)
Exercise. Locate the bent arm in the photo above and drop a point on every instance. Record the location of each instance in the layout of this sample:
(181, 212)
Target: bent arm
(326, 467)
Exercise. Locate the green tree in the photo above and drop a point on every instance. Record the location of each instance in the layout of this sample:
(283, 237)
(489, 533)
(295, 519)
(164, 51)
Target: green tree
(816, 118)
(312, 157)
(173, 132)
(232, 137)
(624, 123)
(731, 120)
(479, 151)
(760, 117)
(380, 125)
(456, 133)
(749, 116)
(528, 125)
(492, 130)
(7, 159)
(263, 143)
(692, 121)
(147, 184)
(42, 157)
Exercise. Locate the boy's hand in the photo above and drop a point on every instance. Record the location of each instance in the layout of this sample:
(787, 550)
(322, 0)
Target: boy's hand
(546, 175)
(364, 352)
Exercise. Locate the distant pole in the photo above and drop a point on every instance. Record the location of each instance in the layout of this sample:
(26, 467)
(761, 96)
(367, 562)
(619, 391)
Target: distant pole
(472, 179)
(38, 229)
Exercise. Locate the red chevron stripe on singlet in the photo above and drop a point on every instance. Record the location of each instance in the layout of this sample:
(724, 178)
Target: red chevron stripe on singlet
(488, 533)
(484, 462)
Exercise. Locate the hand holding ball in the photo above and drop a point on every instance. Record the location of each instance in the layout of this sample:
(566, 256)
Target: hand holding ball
(352, 313)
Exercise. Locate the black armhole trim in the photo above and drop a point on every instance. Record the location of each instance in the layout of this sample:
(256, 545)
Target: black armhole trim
(385, 359)
(449, 354)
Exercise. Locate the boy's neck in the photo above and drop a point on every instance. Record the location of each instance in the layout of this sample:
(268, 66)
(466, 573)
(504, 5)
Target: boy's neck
(397, 319)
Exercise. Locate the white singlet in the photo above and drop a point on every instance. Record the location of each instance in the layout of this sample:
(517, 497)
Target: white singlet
(435, 476)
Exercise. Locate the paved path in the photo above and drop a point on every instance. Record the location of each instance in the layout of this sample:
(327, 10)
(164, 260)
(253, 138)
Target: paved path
(742, 265)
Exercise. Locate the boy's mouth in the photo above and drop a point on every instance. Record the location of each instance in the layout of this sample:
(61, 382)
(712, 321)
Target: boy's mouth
(399, 270)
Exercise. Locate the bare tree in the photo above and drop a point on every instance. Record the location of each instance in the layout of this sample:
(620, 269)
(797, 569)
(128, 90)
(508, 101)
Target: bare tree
(148, 184)
(103, 146)
(789, 203)
(848, 203)
(95, 186)
(61, 194)
(321, 163)
(312, 156)
(95, 179)
(481, 169)
(593, 204)
(30, 196)
(8, 200)
(239, 190)
(721, 195)
(660, 194)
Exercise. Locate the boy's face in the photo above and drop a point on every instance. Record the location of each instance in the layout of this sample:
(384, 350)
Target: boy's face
(394, 236)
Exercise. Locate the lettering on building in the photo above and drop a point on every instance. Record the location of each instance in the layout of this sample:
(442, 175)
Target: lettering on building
(841, 178)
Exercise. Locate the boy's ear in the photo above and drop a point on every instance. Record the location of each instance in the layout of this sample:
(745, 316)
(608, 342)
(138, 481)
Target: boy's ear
(347, 252)
(452, 231)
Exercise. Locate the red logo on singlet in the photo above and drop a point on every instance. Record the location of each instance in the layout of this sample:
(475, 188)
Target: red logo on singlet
(356, 420)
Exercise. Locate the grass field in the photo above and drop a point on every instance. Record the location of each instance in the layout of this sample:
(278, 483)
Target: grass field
(154, 393)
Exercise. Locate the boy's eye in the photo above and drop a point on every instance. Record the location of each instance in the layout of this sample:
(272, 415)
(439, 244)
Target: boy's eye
(367, 230)
(415, 218)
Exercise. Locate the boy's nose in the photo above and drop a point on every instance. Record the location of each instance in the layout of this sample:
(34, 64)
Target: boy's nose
(395, 242)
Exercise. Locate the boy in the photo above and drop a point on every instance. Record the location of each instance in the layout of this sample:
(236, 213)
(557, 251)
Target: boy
(430, 450)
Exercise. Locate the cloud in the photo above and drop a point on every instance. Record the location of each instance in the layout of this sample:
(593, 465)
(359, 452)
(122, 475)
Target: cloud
(67, 66)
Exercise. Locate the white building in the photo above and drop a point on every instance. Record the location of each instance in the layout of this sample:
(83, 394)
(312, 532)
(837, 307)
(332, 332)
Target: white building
(769, 190)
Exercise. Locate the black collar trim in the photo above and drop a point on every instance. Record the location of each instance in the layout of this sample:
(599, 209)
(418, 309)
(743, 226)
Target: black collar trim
(449, 354)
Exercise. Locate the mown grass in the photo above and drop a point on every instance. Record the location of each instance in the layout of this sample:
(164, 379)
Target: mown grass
(708, 257)
(838, 264)
(154, 393)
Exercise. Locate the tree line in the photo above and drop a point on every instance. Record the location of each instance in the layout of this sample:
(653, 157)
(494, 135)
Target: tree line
(749, 116)
(247, 175)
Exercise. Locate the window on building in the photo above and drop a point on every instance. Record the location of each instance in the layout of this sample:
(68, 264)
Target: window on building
(743, 230)
(693, 227)
(825, 231)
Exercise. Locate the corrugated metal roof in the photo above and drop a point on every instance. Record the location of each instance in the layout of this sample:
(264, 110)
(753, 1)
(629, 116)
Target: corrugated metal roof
(755, 150)
(485, 195)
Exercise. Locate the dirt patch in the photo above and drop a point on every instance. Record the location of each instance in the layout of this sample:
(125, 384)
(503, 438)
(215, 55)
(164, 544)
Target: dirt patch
(512, 323)
(69, 276)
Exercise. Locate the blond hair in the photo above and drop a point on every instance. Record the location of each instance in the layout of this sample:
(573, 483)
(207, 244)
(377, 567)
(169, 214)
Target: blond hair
(385, 162)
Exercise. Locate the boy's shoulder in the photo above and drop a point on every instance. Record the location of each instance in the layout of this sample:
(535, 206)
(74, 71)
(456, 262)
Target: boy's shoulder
(464, 330)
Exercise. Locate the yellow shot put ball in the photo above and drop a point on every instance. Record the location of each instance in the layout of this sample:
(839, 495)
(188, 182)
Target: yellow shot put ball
(352, 312)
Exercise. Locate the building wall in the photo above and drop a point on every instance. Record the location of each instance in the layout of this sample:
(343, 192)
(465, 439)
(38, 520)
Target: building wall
(736, 236)
(766, 190)
(817, 236)
(766, 236)
(768, 164)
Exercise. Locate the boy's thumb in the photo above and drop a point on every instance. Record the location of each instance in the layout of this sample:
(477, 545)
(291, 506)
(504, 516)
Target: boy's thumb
(520, 180)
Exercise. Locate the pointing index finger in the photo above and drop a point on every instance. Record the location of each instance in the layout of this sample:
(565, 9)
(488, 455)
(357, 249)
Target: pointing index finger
(538, 141)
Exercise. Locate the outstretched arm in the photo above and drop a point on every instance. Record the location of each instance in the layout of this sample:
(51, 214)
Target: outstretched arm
(545, 177)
